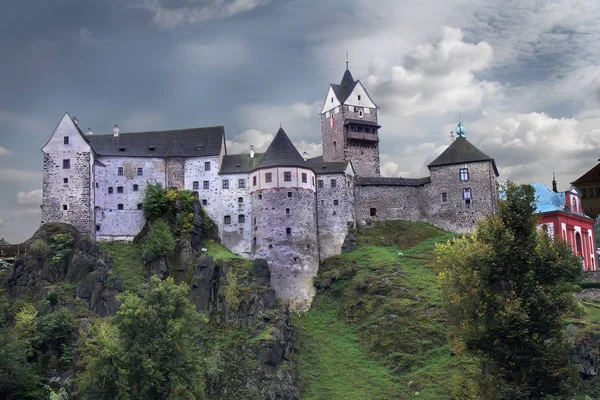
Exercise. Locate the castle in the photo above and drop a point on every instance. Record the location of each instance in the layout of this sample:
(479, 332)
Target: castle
(274, 205)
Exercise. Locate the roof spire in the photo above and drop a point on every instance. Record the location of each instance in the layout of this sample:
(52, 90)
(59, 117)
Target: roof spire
(554, 183)
(347, 61)
(460, 129)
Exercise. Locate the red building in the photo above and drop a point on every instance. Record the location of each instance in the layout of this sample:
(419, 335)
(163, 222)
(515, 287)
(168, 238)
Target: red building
(561, 215)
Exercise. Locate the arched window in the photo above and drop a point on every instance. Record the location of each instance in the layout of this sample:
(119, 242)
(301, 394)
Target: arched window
(578, 243)
(110, 190)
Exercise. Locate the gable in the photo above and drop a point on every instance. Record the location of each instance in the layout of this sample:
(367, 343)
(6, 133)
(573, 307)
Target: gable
(359, 91)
(331, 101)
(66, 128)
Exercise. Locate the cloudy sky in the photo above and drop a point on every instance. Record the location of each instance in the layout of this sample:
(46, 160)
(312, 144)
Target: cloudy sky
(524, 74)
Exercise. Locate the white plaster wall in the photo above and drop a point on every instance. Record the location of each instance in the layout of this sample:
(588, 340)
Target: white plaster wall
(129, 221)
(278, 178)
(365, 99)
(236, 236)
(328, 104)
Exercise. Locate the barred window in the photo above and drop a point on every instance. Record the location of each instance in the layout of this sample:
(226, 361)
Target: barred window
(444, 197)
(120, 171)
(227, 219)
(66, 164)
(333, 183)
(225, 183)
(320, 183)
(241, 218)
(241, 183)
(195, 185)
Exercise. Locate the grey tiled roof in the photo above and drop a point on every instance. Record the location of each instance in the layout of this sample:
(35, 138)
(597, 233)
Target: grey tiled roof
(345, 88)
(239, 163)
(193, 142)
(282, 153)
(459, 152)
(382, 181)
(321, 167)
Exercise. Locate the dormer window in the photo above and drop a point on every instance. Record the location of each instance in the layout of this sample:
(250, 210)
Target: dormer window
(121, 148)
(151, 148)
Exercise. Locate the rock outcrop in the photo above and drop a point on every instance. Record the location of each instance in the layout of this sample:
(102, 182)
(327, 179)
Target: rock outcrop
(57, 253)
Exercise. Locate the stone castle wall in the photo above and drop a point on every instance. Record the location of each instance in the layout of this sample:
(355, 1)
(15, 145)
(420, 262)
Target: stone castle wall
(335, 212)
(292, 255)
(390, 202)
(236, 235)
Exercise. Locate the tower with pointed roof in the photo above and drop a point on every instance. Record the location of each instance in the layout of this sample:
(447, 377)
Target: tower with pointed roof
(284, 226)
(349, 127)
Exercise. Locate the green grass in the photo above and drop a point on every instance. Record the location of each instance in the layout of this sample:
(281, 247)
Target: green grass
(378, 331)
(128, 263)
(218, 251)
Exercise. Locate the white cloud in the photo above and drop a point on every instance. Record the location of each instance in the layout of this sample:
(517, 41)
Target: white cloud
(5, 152)
(33, 197)
(86, 37)
(435, 79)
(194, 12)
(251, 137)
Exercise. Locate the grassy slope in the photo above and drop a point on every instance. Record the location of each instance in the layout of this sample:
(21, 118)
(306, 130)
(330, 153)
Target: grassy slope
(378, 331)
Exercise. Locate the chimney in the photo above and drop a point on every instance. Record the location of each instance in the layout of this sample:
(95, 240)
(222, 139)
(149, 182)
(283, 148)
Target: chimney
(116, 131)
(75, 121)
(89, 132)
(251, 151)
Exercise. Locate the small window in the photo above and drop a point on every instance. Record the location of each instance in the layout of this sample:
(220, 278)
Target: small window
(444, 197)
(289, 194)
(121, 148)
(287, 176)
(66, 140)
(227, 219)
(360, 113)
(120, 206)
(65, 207)
(268, 177)
(205, 185)
(333, 183)
(241, 218)
(464, 174)
(140, 171)
(110, 190)
(119, 189)
(225, 183)
(240, 200)
(288, 231)
(320, 183)
(140, 206)
(241, 183)
(597, 192)
(207, 166)
(467, 193)
(195, 185)
(254, 181)
(359, 97)
(97, 184)
(467, 203)
(66, 164)
(287, 211)
(97, 227)
(151, 148)
(336, 202)
(332, 99)
(204, 202)
(65, 180)
(136, 187)
(304, 177)
(120, 171)
(373, 212)
(260, 196)
(313, 181)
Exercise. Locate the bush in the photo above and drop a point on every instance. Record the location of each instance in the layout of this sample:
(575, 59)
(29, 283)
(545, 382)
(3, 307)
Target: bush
(62, 246)
(39, 249)
(156, 203)
(589, 285)
(159, 242)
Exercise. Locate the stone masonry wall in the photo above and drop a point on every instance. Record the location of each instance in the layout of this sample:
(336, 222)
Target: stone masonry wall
(390, 202)
(176, 172)
(333, 137)
(335, 212)
(195, 171)
(293, 257)
(236, 235)
(453, 215)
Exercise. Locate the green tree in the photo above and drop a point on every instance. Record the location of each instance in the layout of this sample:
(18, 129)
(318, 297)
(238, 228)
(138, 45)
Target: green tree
(506, 290)
(159, 242)
(149, 351)
(156, 203)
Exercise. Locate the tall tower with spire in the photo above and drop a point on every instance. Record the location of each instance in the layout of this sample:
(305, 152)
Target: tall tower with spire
(349, 127)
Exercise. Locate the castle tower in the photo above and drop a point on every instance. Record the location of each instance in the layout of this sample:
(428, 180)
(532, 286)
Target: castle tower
(284, 227)
(349, 126)
(68, 180)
